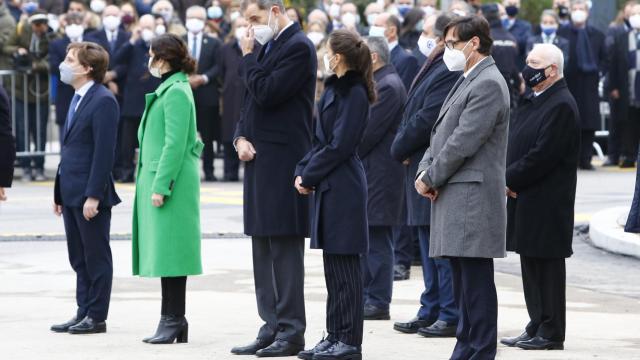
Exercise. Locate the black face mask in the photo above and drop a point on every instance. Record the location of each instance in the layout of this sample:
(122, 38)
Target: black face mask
(532, 77)
(512, 11)
(563, 11)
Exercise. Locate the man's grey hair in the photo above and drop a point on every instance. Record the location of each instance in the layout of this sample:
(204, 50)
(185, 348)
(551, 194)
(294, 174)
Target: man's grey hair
(197, 8)
(551, 13)
(441, 23)
(263, 4)
(553, 55)
(378, 45)
(581, 2)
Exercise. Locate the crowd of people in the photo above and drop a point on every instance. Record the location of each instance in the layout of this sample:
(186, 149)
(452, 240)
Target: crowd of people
(408, 132)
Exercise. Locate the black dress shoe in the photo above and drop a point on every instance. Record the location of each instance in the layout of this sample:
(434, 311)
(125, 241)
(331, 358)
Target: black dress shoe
(88, 326)
(438, 329)
(280, 348)
(323, 345)
(210, 178)
(171, 328)
(375, 313)
(411, 326)
(540, 343)
(231, 178)
(65, 326)
(586, 167)
(610, 162)
(340, 351)
(627, 164)
(512, 341)
(401, 272)
(252, 348)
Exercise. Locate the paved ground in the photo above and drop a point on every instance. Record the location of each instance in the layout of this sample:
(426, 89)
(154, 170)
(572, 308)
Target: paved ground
(38, 289)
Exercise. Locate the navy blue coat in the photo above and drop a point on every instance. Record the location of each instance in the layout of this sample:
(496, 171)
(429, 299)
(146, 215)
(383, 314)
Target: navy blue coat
(333, 168)
(64, 92)
(138, 82)
(584, 86)
(209, 65)
(232, 88)
(413, 137)
(558, 41)
(100, 37)
(406, 65)
(385, 176)
(521, 30)
(276, 118)
(7, 141)
(88, 151)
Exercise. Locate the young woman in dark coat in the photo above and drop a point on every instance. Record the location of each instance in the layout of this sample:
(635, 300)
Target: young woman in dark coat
(333, 172)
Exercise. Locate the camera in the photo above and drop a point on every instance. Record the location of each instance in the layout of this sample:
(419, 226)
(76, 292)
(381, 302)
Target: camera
(22, 63)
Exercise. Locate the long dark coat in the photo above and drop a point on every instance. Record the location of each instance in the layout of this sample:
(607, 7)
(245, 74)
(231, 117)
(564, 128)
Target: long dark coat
(232, 88)
(542, 159)
(7, 141)
(413, 137)
(584, 86)
(385, 176)
(276, 119)
(333, 168)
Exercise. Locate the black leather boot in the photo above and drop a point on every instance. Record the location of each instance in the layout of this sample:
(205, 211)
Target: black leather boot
(171, 328)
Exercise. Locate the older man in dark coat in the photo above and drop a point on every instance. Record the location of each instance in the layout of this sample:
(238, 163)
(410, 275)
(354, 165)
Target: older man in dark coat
(272, 136)
(544, 141)
(437, 315)
(587, 58)
(7, 144)
(385, 182)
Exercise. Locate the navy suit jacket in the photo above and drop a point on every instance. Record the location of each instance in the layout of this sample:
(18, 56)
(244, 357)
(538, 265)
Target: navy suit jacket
(406, 65)
(88, 151)
(276, 118)
(100, 37)
(7, 142)
(138, 82)
(57, 53)
(209, 65)
(413, 135)
(521, 30)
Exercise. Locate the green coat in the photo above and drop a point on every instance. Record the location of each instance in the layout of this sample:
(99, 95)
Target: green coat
(166, 240)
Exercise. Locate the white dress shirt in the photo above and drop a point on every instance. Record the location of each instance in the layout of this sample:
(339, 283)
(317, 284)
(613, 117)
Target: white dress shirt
(82, 92)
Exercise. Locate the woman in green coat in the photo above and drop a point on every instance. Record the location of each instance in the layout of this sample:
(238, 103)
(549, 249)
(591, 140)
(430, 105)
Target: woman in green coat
(166, 211)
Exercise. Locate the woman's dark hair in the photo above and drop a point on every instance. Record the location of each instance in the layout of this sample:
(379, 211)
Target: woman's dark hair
(356, 55)
(411, 20)
(298, 13)
(173, 50)
(469, 26)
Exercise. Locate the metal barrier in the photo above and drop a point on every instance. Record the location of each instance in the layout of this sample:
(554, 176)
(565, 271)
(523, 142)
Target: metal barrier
(29, 134)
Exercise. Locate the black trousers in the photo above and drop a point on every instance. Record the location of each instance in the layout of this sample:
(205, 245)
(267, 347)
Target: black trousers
(614, 140)
(278, 271)
(586, 147)
(231, 161)
(631, 134)
(475, 292)
(377, 267)
(174, 292)
(405, 245)
(90, 258)
(127, 144)
(208, 120)
(345, 303)
(544, 284)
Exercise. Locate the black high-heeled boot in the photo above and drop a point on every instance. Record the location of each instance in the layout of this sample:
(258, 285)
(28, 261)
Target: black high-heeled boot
(171, 328)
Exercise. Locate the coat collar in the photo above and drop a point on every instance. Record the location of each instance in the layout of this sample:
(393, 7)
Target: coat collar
(177, 77)
(346, 82)
(553, 89)
(383, 71)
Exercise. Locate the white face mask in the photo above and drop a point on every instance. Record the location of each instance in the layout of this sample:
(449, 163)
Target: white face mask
(240, 32)
(316, 37)
(160, 30)
(376, 31)
(334, 11)
(74, 31)
(349, 19)
(455, 59)
(371, 19)
(234, 15)
(264, 33)
(428, 10)
(634, 21)
(579, 16)
(67, 75)
(154, 71)
(426, 45)
(327, 64)
(194, 26)
(111, 23)
(147, 35)
(97, 6)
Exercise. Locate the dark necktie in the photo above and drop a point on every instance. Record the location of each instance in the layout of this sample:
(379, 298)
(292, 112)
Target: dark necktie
(72, 110)
(266, 51)
(112, 42)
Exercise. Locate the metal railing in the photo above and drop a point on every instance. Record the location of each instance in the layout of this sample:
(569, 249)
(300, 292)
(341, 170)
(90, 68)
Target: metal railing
(29, 134)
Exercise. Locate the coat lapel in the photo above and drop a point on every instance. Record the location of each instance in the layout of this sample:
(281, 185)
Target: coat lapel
(86, 99)
(152, 97)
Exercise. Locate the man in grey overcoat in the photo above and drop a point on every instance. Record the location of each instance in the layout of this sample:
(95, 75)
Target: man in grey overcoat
(463, 173)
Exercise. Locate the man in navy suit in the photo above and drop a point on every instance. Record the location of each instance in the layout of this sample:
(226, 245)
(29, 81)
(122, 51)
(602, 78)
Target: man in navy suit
(84, 189)
(272, 136)
(57, 53)
(406, 64)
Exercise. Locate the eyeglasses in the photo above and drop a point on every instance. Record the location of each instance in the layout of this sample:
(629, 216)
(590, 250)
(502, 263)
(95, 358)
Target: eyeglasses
(452, 43)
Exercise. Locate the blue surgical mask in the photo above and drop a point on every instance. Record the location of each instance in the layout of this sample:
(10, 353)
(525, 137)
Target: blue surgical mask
(404, 9)
(29, 7)
(419, 25)
(214, 12)
(548, 30)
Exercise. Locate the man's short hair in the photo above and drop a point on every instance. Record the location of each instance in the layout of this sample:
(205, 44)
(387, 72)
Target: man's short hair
(553, 55)
(441, 23)
(395, 22)
(92, 56)
(378, 45)
(466, 28)
(263, 4)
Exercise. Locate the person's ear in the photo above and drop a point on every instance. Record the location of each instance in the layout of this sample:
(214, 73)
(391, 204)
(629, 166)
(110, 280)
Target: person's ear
(374, 57)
